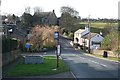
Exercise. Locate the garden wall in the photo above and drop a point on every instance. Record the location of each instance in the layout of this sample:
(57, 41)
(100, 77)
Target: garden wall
(10, 56)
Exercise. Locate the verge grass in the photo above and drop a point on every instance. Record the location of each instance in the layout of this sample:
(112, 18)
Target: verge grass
(44, 69)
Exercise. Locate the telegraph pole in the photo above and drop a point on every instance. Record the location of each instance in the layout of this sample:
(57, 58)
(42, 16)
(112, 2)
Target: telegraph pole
(89, 33)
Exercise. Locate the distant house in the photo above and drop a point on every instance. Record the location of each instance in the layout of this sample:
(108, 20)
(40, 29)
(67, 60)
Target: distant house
(95, 40)
(48, 18)
(82, 37)
(79, 33)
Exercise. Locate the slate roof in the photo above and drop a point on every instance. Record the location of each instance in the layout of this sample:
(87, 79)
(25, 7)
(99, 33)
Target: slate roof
(87, 35)
(45, 14)
(80, 31)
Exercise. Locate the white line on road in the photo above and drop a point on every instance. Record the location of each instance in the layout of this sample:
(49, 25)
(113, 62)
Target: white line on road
(98, 63)
(94, 62)
(73, 75)
(81, 57)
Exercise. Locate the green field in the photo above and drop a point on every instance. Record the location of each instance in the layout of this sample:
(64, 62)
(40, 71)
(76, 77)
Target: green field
(44, 69)
(100, 24)
(97, 27)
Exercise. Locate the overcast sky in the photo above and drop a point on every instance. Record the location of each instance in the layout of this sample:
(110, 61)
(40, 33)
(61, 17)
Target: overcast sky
(94, 8)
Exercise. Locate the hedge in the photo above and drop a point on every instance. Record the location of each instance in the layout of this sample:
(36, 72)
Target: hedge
(9, 45)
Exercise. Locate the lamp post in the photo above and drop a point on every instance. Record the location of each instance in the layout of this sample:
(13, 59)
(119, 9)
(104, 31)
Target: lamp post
(89, 33)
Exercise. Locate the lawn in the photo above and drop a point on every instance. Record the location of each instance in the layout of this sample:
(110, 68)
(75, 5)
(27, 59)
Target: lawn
(44, 69)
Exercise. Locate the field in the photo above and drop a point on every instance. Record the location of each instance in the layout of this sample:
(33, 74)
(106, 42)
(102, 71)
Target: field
(100, 24)
(97, 27)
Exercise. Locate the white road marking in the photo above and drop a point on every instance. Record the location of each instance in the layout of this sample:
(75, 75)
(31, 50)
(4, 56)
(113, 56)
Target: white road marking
(98, 63)
(81, 57)
(94, 62)
(73, 75)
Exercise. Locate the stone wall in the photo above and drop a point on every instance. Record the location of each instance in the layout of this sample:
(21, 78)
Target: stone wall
(100, 52)
(10, 56)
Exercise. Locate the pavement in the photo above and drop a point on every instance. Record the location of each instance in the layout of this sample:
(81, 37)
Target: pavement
(60, 75)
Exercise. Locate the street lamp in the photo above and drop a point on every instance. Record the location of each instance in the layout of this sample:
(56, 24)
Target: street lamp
(89, 33)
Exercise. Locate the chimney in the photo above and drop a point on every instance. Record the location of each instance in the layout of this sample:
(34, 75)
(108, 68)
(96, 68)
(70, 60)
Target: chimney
(86, 28)
(53, 11)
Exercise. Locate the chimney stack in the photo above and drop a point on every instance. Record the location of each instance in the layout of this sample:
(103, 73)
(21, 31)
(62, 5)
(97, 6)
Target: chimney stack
(53, 11)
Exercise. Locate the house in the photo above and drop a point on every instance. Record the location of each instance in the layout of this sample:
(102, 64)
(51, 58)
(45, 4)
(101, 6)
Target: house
(79, 33)
(82, 37)
(95, 40)
(48, 18)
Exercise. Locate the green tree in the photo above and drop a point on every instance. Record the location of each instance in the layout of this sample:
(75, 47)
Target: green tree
(27, 20)
(110, 41)
(36, 16)
(69, 18)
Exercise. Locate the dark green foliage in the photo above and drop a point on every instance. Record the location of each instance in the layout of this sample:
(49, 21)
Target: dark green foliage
(110, 41)
(37, 20)
(118, 25)
(68, 18)
(9, 45)
(27, 20)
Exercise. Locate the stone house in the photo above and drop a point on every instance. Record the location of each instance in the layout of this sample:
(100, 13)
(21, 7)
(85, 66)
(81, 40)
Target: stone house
(48, 18)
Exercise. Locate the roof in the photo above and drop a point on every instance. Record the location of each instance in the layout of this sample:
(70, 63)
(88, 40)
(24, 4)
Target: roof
(45, 14)
(87, 35)
(80, 31)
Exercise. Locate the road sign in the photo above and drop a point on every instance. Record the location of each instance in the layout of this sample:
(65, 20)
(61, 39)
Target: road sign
(27, 45)
(58, 49)
(56, 35)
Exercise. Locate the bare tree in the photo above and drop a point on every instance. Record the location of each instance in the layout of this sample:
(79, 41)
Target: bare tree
(70, 10)
(27, 10)
(38, 9)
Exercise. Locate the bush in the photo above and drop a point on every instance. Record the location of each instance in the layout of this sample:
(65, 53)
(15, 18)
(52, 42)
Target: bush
(110, 41)
(71, 35)
(65, 34)
(43, 36)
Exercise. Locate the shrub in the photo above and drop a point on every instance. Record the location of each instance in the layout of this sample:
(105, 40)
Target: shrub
(110, 41)
(71, 35)
(42, 36)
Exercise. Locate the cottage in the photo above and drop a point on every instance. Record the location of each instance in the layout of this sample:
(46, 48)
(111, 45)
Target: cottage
(95, 40)
(82, 37)
(79, 33)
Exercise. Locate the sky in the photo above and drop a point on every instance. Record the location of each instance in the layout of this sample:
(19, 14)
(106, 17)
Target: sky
(94, 8)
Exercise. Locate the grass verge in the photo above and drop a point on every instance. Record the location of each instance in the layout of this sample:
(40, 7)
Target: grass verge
(44, 69)
(110, 58)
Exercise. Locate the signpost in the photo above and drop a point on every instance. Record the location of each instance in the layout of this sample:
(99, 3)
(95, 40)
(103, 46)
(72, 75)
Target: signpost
(58, 49)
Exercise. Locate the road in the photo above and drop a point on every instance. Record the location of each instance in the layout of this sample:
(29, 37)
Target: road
(84, 66)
